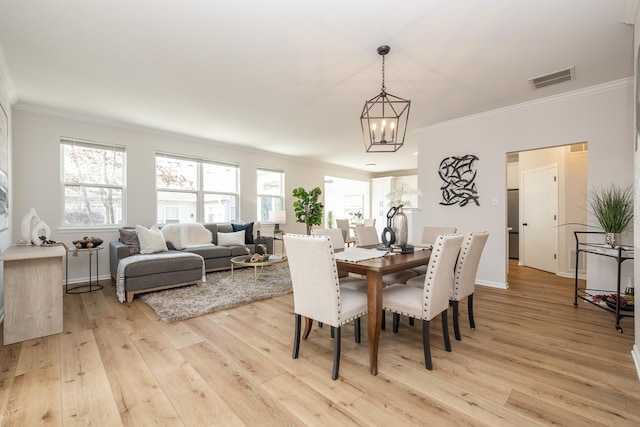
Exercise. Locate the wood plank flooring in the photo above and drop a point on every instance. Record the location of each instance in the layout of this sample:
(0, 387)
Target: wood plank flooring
(533, 360)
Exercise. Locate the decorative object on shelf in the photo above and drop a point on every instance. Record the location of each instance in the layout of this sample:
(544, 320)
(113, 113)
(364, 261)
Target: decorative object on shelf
(30, 220)
(626, 301)
(384, 118)
(86, 243)
(40, 233)
(613, 208)
(277, 217)
(308, 209)
(629, 289)
(458, 174)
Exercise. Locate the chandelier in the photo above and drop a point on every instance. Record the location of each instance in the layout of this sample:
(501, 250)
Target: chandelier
(384, 118)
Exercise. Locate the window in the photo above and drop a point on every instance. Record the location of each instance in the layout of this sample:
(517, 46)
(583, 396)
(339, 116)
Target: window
(195, 190)
(270, 189)
(93, 178)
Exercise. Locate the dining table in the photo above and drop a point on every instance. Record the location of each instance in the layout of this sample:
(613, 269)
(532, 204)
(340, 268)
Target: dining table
(373, 269)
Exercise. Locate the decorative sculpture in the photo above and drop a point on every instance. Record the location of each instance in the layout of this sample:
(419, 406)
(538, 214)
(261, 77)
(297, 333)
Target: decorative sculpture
(458, 174)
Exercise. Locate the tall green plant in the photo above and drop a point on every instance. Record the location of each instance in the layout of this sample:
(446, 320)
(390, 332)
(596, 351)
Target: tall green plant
(613, 207)
(307, 208)
(330, 219)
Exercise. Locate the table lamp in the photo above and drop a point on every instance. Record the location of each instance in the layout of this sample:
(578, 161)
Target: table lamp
(277, 217)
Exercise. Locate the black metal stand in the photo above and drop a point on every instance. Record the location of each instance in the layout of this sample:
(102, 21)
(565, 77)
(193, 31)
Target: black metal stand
(620, 254)
(84, 287)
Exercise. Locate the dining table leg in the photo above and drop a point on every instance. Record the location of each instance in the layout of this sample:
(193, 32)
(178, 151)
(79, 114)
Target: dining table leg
(374, 305)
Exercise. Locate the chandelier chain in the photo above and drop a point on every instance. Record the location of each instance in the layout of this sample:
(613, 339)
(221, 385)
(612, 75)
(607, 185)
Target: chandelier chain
(384, 89)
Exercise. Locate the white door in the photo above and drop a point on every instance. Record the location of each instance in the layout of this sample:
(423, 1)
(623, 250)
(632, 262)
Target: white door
(539, 218)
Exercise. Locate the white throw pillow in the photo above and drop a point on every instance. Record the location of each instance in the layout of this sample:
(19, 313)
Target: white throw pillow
(151, 240)
(231, 239)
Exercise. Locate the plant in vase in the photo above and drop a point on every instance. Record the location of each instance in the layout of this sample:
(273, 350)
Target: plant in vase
(613, 208)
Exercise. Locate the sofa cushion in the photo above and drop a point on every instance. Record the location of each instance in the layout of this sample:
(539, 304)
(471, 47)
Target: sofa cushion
(212, 251)
(151, 240)
(156, 265)
(248, 231)
(231, 239)
(129, 237)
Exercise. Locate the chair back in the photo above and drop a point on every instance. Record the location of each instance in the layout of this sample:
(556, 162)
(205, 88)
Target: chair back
(334, 233)
(369, 222)
(439, 277)
(366, 236)
(314, 276)
(342, 224)
(430, 234)
(467, 264)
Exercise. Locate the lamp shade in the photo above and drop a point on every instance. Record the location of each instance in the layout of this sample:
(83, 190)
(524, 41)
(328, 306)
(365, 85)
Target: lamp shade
(278, 217)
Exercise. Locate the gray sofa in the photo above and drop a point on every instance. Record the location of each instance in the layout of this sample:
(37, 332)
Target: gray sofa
(154, 271)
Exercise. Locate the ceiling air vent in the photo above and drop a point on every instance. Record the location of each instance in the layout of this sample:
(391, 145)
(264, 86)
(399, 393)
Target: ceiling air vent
(553, 78)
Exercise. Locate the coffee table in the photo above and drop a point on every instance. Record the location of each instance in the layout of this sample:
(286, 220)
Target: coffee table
(244, 261)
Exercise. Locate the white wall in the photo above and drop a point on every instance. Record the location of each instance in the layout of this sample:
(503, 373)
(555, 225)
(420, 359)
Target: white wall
(37, 174)
(6, 236)
(601, 115)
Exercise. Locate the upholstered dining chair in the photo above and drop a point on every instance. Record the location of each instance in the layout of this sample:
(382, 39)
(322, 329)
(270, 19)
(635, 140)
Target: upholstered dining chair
(464, 281)
(429, 236)
(369, 222)
(433, 299)
(343, 224)
(317, 294)
(355, 283)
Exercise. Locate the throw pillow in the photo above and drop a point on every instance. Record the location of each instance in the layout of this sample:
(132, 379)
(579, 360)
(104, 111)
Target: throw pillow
(231, 239)
(151, 240)
(129, 237)
(248, 231)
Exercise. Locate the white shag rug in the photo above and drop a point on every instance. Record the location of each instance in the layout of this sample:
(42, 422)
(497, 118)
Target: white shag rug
(220, 292)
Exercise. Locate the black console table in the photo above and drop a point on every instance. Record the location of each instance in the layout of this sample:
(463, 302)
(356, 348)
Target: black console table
(619, 254)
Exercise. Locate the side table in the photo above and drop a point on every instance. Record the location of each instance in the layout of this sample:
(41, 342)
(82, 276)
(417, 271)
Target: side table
(85, 287)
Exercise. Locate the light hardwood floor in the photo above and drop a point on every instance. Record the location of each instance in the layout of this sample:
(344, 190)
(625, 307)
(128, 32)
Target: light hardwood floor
(533, 360)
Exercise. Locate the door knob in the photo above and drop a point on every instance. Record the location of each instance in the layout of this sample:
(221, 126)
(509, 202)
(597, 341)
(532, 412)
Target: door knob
(525, 224)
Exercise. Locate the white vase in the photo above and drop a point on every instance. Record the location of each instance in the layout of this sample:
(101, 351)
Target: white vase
(400, 227)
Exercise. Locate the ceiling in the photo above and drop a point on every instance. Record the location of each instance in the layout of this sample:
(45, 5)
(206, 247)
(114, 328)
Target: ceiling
(291, 76)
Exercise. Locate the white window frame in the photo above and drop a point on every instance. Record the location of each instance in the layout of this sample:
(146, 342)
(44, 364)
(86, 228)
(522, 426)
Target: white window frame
(67, 141)
(272, 196)
(199, 192)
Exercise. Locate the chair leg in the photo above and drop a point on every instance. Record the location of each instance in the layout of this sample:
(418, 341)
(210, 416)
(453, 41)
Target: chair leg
(472, 322)
(333, 335)
(296, 336)
(336, 353)
(320, 324)
(384, 321)
(356, 326)
(445, 331)
(411, 321)
(456, 319)
(426, 345)
(396, 322)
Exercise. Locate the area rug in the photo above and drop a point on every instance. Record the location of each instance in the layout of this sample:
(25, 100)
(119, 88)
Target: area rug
(219, 293)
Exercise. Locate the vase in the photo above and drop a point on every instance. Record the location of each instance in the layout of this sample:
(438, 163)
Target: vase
(400, 227)
(613, 239)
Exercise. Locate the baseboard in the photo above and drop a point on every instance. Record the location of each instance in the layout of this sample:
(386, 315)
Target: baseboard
(492, 284)
(80, 280)
(635, 354)
(581, 275)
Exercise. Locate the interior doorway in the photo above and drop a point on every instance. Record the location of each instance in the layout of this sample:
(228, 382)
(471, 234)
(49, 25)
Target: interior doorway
(569, 164)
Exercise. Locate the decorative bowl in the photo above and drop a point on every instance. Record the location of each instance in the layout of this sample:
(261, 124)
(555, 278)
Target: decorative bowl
(95, 242)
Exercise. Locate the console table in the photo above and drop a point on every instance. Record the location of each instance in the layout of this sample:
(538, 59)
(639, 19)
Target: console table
(619, 254)
(32, 292)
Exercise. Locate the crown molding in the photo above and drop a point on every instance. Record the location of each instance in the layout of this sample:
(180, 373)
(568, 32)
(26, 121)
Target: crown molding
(591, 90)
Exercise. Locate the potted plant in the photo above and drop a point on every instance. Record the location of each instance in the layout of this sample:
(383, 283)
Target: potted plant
(613, 208)
(330, 219)
(307, 208)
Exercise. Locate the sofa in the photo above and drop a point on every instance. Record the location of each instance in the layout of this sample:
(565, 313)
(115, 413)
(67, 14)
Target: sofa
(136, 268)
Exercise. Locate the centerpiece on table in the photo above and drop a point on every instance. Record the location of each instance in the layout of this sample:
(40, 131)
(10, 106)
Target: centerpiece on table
(399, 197)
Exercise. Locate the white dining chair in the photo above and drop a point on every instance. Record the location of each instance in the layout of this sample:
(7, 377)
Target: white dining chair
(343, 224)
(355, 283)
(433, 299)
(317, 294)
(464, 281)
(429, 236)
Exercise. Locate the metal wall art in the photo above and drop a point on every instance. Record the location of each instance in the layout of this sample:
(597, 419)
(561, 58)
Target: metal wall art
(458, 174)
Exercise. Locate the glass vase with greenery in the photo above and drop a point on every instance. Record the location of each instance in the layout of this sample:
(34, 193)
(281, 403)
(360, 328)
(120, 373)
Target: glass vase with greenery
(613, 208)
(307, 208)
